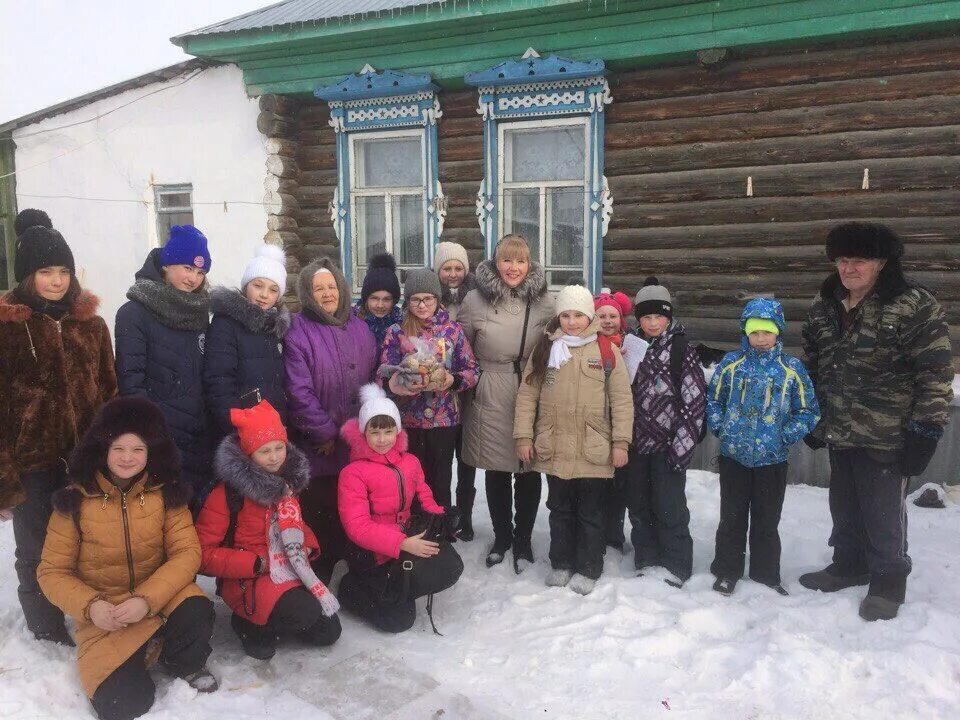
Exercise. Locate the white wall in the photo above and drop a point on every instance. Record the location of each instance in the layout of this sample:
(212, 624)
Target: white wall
(203, 132)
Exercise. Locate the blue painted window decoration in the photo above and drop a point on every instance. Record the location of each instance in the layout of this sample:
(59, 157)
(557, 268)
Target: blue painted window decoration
(543, 161)
(388, 195)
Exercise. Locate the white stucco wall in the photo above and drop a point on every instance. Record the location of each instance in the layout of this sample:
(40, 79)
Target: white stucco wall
(203, 132)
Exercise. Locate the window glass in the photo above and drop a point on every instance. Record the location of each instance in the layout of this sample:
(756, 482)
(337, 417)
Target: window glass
(389, 162)
(544, 154)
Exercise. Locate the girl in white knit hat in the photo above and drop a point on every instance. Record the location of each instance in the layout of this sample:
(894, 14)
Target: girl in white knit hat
(574, 422)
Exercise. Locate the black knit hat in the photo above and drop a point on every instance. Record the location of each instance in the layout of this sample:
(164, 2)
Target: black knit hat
(28, 217)
(40, 247)
(381, 275)
(653, 299)
(863, 240)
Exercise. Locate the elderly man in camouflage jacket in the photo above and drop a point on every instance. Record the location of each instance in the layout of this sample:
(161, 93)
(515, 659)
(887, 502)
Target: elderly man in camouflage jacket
(878, 351)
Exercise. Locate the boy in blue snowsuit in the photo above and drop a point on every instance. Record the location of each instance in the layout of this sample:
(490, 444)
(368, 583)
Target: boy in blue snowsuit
(760, 402)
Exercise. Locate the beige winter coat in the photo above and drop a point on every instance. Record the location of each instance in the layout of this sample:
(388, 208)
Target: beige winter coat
(574, 418)
(492, 318)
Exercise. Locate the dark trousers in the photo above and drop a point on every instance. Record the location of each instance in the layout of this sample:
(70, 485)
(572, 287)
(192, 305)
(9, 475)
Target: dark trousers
(466, 474)
(296, 614)
(128, 691)
(385, 595)
(754, 496)
(434, 449)
(868, 507)
(30, 520)
(525, 492)
(614, 508)
(576, 524)
(657, 503)
(318, 503)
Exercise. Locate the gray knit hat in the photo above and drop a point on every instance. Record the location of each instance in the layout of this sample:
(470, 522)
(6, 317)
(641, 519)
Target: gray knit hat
(421, 280)
(653, 299)
(447, 251)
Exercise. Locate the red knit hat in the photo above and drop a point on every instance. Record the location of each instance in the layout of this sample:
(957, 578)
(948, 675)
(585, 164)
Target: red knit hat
(616, 300)
(257, 426)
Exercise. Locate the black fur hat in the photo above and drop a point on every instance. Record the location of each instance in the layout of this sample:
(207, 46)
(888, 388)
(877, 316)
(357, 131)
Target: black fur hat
(28, 217)
(138, 415)
(863, 240)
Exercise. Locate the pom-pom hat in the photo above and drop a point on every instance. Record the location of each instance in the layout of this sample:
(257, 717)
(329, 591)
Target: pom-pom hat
(577, 298)
(374, 402)
(653, 299)
(268, 262)
(381, 275)
(447, 251)
(616, 300)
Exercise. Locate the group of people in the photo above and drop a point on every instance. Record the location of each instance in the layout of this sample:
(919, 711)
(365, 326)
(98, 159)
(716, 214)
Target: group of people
(306, 461)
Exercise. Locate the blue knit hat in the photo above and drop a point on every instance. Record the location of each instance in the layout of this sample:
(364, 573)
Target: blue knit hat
(186, 246)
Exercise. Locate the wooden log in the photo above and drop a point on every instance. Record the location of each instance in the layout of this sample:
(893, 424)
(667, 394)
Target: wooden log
(314, 251)
(460, 148)
(460, 127)
(789, 69)
(317, 157)
(874, 115)
(745, 210)
(279, 104)
(895, 87)
(282, 238)
(470, 237)
(886, 174)
(315, 111)
(279, 184)
(905, 142)
(282, 166)
(779, 234)
(318, 178)
(280, 203)
(282, 146)
(317, 136)
(461, 193)
(319, 234)
(281, 222)
(794, 309)
(466, 170)
(314, 197)
(273, 125)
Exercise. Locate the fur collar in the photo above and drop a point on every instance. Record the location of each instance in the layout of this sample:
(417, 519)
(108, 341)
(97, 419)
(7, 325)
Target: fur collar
(360, 450)
(235, 469)
(84, 308)
(174, 308)
(233, 304)
(449, 296)
(890, 284)
(495, 290)
(69, 499)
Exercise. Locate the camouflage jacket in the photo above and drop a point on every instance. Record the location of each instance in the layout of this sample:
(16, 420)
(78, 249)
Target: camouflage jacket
(892, 365)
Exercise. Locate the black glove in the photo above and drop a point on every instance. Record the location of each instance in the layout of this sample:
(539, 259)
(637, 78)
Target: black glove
(813, 442)
(919, 445)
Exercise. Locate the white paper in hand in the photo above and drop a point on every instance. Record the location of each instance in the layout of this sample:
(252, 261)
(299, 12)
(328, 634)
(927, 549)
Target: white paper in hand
(634, 349)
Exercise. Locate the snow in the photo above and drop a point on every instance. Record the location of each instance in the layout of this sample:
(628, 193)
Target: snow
(635, 647)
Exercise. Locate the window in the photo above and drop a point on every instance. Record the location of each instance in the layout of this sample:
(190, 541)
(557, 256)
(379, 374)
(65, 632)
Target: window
(388, 198)
(543, 185)
(386, 192)
(543, 162)
(174, 206)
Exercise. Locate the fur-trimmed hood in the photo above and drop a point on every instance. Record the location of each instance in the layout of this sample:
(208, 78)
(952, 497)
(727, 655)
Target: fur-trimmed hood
(12, 310)
(495, 290)
(237, 470)
(231, 302)
(174, 308)
(310, 305)
(890, 284)
(361, 450)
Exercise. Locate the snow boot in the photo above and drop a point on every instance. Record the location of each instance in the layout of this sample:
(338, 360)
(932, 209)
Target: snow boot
(559, 577)
(522, 554)
(498, 551)
(257, 645)
(830, 579)
(203, 681)
(465, 503)
(581, 584)
(779, 589)
(884, 598)
(725, 586)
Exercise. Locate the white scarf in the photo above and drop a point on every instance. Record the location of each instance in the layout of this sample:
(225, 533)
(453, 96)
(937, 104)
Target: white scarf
(560, 350)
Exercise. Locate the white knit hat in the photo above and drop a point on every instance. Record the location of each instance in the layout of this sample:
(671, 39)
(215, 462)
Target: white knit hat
(268, 262)
(447, 251)
(575, 297)
(373, 402)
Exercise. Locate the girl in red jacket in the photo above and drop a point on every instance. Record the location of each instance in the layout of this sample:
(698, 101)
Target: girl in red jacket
(255, 542)
(394, 561)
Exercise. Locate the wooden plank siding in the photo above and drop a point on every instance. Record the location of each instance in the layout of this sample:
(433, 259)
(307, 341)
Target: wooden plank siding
(681, 143)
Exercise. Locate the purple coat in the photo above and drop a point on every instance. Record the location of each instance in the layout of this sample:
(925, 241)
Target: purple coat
(325, 367)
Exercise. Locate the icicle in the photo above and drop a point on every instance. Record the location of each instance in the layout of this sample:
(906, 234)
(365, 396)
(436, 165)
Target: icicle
(749, 186)
(865, 185)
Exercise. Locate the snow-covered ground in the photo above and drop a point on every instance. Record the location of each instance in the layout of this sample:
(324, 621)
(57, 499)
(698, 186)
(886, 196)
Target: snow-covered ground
(635, 648)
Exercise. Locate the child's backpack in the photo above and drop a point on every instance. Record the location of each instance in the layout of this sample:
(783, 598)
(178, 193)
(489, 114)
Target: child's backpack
(704, 353)
(234, 505)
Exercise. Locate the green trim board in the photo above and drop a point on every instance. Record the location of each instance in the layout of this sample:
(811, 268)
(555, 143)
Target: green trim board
(8, 206)
(449, 42)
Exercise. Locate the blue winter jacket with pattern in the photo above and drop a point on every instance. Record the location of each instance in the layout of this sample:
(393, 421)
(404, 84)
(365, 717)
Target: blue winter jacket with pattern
(760, 403)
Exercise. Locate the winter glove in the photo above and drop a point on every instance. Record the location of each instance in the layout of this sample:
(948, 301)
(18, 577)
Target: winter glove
(920, 443)
(813, 442)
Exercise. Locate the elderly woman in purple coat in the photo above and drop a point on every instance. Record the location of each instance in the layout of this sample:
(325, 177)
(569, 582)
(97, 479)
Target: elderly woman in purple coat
(328, 355)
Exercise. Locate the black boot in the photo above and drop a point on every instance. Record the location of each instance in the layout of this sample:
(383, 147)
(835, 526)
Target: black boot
(465, 503)
(831, 579)
(522, 554)
(884, 598)
(498, 551)
(259, 645)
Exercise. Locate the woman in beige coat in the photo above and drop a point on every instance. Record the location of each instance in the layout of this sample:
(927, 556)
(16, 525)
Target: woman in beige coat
(503, 318)
(574, 421)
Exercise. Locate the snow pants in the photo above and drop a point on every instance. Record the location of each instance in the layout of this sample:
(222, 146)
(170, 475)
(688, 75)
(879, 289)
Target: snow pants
(128, 691)
(434, 448)
(751, 496)
(296, 614)
(576, 524)
(30, 519)
(869, 512)
(385, 595)
(657, 503)
(318, 503)
(525, 492)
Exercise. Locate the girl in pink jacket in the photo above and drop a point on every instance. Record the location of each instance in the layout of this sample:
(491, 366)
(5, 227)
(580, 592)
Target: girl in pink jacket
(397, 555)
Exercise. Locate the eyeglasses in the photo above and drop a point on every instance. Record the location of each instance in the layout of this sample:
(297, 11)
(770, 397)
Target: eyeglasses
(422, 302)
